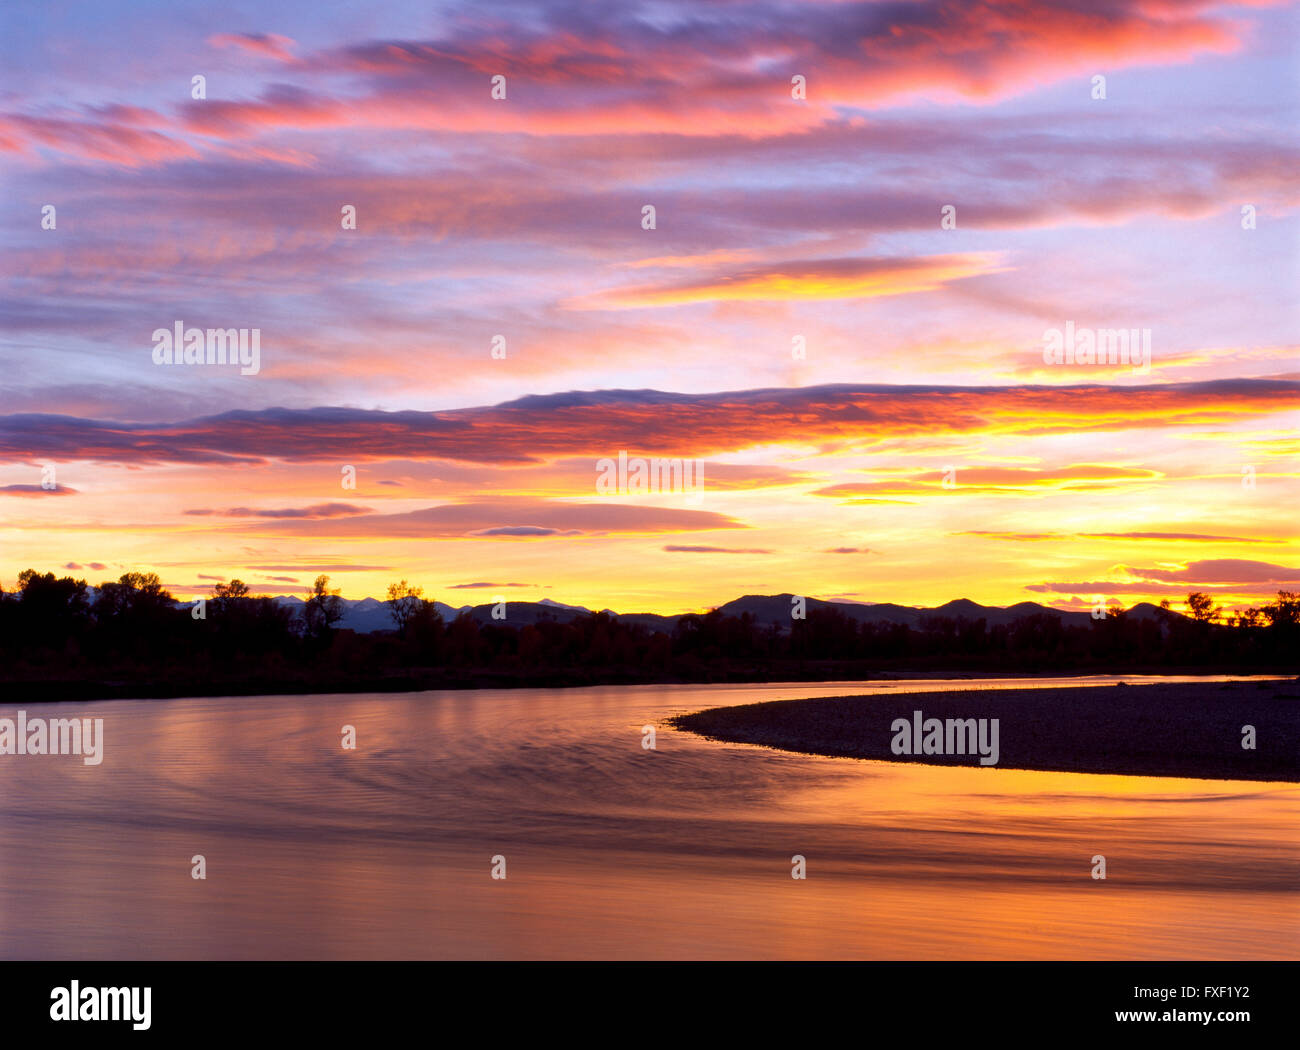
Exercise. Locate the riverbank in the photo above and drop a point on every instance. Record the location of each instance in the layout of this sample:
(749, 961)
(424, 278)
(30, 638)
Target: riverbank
(160, 685)
(1170, 729)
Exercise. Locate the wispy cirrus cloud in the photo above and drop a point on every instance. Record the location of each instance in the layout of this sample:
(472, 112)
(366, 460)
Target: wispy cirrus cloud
(266, 45)
(677, 548)
(504, 520)
(805, 279)
(319, 510)
(325, 567)
(1000, 481)
(1188, 537)
(36, 491)
(105, 137)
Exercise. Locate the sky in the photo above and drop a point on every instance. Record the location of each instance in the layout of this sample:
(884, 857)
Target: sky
(868, 220)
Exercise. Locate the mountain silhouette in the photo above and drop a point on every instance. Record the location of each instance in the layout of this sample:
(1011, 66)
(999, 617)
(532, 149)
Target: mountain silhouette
(367, 615)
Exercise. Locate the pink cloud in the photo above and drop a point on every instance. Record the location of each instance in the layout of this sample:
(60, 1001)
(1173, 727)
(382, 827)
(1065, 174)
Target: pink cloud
(269, 45)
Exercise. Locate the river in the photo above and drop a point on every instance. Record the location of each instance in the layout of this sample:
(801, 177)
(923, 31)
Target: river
(611, 850)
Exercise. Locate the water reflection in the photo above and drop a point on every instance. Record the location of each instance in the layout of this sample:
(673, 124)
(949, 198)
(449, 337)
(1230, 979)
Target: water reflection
(612, 851)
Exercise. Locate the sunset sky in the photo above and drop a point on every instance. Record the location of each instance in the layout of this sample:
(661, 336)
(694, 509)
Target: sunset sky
(921, 450)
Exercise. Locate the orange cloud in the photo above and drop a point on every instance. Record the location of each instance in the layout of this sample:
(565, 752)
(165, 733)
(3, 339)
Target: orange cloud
(1001, 481)
(541, 428)
(36, 491)
(805, 279)
(1182, 537)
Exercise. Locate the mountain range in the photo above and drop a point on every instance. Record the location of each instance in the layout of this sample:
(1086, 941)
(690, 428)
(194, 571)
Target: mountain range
(366, 615)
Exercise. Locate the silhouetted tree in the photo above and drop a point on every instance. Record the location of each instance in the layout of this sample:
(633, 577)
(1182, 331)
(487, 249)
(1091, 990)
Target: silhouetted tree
(323, 609)
(1203, 608)
(404, 602)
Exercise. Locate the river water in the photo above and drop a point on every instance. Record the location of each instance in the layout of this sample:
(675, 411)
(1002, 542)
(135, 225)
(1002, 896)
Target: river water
(610, 850)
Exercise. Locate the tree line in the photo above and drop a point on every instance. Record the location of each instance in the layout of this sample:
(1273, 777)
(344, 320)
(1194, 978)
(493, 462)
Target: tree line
(132, 631)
